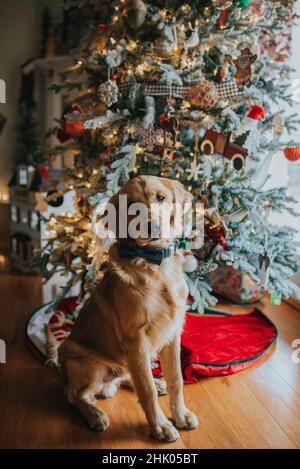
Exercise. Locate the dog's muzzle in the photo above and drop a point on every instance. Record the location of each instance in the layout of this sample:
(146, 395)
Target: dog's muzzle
(153, 229)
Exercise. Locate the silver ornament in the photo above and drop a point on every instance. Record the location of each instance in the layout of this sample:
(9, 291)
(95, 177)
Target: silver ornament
(264, 264)
(149, 137)
(135, 13)
(237, 216)
(108, 92)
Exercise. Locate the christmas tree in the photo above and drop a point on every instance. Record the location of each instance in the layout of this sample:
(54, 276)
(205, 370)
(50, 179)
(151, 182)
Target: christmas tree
(189, 91)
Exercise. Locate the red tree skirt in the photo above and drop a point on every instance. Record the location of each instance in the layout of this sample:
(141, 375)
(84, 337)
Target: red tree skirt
(210, 345)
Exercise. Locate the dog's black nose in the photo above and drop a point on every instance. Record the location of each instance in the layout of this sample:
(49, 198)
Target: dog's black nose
(153, 229)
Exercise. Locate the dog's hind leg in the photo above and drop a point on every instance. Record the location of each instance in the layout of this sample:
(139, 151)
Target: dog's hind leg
(80, 390)
(108, 389)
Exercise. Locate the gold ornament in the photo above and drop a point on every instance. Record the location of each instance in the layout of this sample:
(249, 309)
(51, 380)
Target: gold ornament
(41, 204)
(135, 13)
(100, 41)
(82, 223)
(213, 217)
(204, 95)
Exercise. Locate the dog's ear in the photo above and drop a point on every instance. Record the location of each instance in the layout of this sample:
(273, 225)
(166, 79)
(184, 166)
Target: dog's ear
(180, 194)
(114, 200)
(182, 217)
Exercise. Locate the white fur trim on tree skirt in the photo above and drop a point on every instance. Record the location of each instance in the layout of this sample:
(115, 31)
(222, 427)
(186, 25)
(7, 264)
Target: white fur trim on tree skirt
(36, 328)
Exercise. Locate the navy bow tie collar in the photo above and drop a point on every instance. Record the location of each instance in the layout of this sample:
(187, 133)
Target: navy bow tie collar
(151, 253)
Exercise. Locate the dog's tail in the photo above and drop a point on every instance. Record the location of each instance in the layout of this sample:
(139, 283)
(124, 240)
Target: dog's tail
(52, 345)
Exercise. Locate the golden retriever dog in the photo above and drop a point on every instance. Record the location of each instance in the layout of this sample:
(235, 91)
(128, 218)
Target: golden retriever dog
(137, 310)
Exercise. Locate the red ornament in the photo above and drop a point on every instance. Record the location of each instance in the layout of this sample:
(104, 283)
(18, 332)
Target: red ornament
(217, 235)
(71, 128)
(43, 172)
(75, 128)
(62, 136)
(68, 260)
(160, 150)
(190, 299)
(169, 124)
(223, 23)
(292, 154)
(105, 155)
(103, 26)
(256, 112)
(80, 202)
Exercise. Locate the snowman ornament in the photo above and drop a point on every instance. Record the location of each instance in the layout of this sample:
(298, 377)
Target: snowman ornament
(190, 262)
(250, 124)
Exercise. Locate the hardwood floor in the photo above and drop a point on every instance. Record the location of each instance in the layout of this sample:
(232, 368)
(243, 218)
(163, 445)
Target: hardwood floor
(257, 408)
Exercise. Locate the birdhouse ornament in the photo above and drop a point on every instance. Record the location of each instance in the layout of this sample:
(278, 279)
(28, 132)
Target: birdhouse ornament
(243, 67)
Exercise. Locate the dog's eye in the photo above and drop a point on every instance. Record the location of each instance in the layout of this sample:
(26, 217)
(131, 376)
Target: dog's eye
(160, 198)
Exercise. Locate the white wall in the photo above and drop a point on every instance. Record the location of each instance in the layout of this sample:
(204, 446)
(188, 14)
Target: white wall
(19, 35)
(281, 169)
(19, 26)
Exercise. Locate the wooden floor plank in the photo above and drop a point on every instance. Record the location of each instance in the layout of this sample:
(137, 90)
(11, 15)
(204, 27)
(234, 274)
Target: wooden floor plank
(286, 418)
(278, 386)
(263, 422)
(237, 428)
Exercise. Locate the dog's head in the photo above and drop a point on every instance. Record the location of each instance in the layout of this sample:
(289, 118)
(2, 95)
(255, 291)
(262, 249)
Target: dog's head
(150, 210)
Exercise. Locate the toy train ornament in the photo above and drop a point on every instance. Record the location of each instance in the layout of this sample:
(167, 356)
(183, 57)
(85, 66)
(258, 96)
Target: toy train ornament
(215, 142)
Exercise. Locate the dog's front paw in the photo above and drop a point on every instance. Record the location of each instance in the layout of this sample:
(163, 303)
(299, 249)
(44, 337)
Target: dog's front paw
(187, 420)
(165, 432)
(97, 419)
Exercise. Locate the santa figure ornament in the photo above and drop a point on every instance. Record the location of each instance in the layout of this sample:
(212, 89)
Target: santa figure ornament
(243, 67)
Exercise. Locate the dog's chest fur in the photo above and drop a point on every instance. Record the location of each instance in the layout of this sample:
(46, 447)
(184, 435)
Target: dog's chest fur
(157, 300)
(166, 305)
